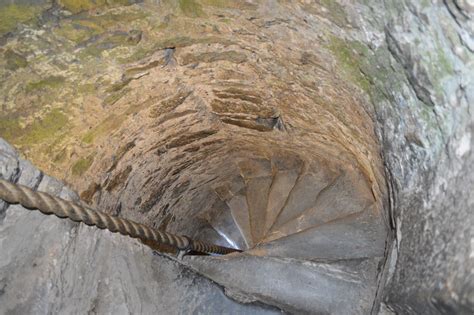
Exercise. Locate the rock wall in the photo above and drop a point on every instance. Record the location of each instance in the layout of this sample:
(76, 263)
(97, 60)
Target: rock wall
(145, 108)
(426, 125)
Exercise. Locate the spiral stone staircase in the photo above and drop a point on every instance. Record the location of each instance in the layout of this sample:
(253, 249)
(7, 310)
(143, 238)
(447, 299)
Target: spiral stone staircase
(310, 234)
(311, 237)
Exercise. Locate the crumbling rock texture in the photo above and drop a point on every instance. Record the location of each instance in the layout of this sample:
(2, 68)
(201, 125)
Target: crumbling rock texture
(301, 112)
(427, 136)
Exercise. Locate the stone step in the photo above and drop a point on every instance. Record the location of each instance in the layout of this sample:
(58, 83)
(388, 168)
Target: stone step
(349, 193)
(257, 199)
(283, 183)
(356, 235)
(240, 213)
(233, 194)
(303, 196)
(221, 220)
(257, 167)
(341, 287)
(210, 235)
(249, 204)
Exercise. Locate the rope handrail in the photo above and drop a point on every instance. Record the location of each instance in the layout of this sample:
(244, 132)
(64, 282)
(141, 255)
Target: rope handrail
(47, 204)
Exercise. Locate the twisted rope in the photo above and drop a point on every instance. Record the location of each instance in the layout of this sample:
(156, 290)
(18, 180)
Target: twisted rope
(47, 204)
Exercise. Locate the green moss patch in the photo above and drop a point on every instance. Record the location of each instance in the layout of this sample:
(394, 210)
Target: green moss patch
(82, 165)
(51, 82)
(9, 128)
(139, 54)
(87, 88)
(42, 128)
(76, 6)
(51, 124)
(352, 56)
(106, 126)
(191, 8)
(113, 18)
(14, 14)
(241, 4)
(76, 32)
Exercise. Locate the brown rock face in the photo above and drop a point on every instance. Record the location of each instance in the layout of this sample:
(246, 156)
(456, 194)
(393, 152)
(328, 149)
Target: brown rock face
(168, 101)
(255, 124)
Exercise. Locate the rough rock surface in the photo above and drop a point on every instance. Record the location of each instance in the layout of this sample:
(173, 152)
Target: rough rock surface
(149, 110)
(420, 69)
(54, 266)
(426, 124)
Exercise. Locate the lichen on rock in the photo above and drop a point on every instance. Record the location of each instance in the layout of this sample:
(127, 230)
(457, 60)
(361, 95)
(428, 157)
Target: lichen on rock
(13, 14)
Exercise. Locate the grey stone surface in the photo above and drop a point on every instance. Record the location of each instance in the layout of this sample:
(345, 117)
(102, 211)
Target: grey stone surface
(8, 169)
(354, 236)
(299, 287)
(334, 251)
(303, 196)
(283, 183)
(423, 96)
(344, 195)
